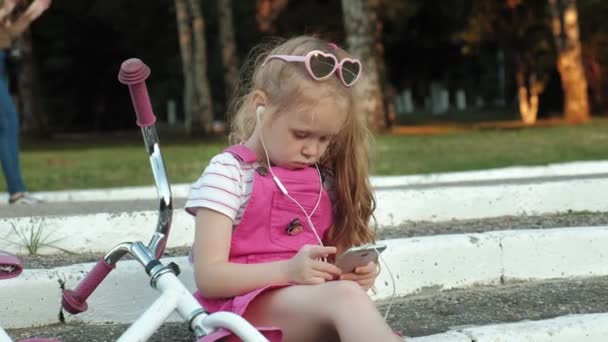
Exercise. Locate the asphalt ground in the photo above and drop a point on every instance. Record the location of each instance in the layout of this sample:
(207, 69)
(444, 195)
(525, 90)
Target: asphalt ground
(426, 313)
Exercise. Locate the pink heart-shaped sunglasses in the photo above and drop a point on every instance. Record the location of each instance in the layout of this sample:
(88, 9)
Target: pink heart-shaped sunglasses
(321, 65)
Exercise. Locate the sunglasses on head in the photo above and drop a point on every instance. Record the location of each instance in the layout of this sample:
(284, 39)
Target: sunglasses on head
(321, 65)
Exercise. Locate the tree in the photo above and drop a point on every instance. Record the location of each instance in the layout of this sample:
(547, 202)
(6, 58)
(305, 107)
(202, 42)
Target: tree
(359, 21)
(594, 40)
(517, 27)
(198, 106)
(569, 60)
(227, 38)
(185, 45)
(267, 12)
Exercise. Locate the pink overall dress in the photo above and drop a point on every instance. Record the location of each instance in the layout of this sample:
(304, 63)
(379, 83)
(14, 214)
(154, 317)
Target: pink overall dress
(272, 228)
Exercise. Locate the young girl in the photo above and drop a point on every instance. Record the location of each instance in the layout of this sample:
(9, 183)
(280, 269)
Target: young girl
(292, 193)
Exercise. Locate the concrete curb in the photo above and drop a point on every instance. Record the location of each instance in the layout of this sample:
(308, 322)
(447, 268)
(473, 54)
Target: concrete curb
(444, 262)
(394, 206)
(590, 328)
(417, 264)
(96, 233)
(475, 201)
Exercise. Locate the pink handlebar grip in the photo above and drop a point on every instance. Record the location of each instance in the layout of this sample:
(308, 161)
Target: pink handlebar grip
(133, 72)
(75, 301)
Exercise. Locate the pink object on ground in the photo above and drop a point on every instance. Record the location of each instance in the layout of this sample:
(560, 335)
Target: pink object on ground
(264, 233)
(10, 265)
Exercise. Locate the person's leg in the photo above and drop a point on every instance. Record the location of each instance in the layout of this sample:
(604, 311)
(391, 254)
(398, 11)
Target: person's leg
(337, 310)
(9, 138)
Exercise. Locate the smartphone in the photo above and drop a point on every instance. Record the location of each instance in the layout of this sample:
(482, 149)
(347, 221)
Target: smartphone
(359, 256)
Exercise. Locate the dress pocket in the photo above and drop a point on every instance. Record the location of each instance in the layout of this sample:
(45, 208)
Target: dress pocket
(289, 228)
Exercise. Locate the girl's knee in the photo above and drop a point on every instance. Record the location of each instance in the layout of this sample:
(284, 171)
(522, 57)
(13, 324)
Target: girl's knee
(347, 292)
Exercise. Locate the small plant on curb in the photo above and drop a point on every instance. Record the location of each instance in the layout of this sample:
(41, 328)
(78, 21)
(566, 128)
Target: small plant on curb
(34, 237)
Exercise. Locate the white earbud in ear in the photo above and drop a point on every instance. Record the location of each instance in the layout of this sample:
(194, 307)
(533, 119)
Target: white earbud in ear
(259, 110)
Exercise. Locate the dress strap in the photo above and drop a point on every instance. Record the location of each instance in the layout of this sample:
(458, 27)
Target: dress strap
(243, 153)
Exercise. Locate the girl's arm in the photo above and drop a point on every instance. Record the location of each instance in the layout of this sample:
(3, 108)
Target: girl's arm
(216, 277)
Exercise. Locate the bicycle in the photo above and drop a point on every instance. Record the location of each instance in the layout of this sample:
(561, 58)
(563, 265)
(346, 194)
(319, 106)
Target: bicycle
(174, 295)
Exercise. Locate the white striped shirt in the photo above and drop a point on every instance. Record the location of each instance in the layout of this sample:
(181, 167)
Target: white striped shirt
(225, 186)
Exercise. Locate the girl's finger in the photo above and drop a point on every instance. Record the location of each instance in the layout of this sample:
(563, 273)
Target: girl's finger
(369, 268)
(316, 252)
(316, 281)
(322, 275)
(327, 267)
(354, 276)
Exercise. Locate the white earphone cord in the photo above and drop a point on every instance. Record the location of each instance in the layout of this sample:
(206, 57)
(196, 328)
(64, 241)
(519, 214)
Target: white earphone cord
(286, 193)
(388, 269)
(308, 217)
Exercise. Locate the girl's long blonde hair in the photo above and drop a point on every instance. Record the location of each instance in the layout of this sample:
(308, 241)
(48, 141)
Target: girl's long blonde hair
(347, 157)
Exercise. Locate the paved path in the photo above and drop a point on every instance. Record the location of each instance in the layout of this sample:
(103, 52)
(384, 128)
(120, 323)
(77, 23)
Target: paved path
(99, 205)
(84, 208)
(418, 315)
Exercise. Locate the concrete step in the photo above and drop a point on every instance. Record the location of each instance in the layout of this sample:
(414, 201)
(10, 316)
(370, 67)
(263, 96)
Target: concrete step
(433, 197)
(432, 312)
(412, 265)
(407, 229)
(97, 233)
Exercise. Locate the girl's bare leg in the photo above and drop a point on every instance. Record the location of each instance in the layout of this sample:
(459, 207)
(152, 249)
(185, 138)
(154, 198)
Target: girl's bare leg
(336, 310)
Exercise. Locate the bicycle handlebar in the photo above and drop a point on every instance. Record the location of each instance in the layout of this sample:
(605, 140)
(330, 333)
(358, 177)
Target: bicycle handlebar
(75, 301)
(133, 73)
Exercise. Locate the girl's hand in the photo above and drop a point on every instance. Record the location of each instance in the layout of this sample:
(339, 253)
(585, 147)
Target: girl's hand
(363, 275)
(306, 268)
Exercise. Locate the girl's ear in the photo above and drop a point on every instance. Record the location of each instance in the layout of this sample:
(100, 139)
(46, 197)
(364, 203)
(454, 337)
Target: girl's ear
(258, 99)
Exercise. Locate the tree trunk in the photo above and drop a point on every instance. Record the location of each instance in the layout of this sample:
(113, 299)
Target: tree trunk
(378, 25)
(359, 21)
(569, 60)
(203, 110)
(594, 72)
(35, 120)
(228, 43)
(527, 94)
(267, 13)
(185, 45)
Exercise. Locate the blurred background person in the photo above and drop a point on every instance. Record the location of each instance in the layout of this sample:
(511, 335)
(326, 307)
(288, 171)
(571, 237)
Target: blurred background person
(13, 24)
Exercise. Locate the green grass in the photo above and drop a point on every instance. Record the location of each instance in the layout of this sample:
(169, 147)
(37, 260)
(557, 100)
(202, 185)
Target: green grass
(116, 162)
(491, 148)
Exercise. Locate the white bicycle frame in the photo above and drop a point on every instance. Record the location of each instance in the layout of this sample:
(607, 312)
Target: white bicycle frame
(4, 336)
(174, 295)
